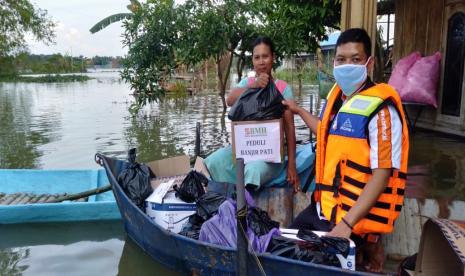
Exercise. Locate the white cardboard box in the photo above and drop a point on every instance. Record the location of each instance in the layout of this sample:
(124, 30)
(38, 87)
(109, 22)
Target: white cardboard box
(346, 263)
(166, 210)
(258, 140)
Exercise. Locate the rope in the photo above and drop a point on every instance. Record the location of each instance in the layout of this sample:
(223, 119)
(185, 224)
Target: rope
(242, 213)
(254, 254)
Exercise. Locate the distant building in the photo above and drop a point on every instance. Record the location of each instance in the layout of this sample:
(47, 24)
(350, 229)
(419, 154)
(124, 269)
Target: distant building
(328, 48)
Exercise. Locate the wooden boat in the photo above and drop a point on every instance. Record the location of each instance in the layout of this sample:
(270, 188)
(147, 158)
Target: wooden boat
(25, 196)
(191, 256)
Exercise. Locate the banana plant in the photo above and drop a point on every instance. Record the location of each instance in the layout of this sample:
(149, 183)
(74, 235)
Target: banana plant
(102, 24)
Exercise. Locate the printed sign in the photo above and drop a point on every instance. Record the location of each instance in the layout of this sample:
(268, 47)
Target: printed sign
(258, 140)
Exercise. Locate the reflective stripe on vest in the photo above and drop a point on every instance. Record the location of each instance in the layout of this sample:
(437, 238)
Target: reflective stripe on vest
(343, 160)
(281, 85)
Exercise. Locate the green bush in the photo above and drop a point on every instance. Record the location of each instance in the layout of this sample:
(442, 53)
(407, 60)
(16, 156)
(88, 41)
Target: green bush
(308, 73)
(46, 78)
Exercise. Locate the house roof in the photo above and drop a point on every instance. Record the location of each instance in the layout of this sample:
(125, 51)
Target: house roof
(330, 42)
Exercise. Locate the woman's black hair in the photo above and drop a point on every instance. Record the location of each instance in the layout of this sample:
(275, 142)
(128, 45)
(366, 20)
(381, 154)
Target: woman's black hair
(265, 40)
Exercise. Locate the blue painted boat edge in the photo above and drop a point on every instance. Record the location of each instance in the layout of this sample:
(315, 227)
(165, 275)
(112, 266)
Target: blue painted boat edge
(59, 212)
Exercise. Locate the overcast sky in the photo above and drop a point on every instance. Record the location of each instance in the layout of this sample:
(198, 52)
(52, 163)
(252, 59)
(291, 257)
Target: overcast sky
(74, 18)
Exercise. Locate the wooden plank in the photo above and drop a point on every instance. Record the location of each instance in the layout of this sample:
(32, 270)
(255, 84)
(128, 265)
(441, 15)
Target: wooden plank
(405, 238)
(301, 201)
(421, 26)
(280, 205)
(435, 27)
(399, 30)
(410, 34)
(261, 199)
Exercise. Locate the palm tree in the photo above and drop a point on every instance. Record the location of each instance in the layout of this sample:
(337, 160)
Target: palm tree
(116, 17)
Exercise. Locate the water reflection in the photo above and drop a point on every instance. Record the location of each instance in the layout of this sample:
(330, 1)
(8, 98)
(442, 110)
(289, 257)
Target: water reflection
(436, 167)
(20, 133)
(136, 262)
(10, 259)
(80, 248)
(62, 125)
(153, 137)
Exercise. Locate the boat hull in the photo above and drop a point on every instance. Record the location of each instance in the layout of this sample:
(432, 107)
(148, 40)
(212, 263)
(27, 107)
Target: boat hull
(192, 256)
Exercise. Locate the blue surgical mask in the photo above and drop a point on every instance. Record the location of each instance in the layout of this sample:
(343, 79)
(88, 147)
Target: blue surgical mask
(350, 76)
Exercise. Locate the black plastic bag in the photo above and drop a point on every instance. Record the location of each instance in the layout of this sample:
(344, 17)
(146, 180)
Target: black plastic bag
(407, 265)
(258, 104)
(314, 249)
(260, 222)
(191, 187)
(301, 250)
(328, 244)
(192, 228)
(135, 180)
(207, 205)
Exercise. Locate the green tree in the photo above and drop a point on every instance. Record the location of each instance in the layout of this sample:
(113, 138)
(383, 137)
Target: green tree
(218, 30)
(297, 26)
(160, 36)
(19, 17)
(102, 24)
(150, 35)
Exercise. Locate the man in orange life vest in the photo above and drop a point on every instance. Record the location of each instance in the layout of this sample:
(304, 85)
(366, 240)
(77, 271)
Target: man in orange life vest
(361, 152)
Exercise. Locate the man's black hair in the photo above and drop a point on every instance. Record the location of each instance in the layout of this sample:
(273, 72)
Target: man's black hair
(357, 35)
(265, 40)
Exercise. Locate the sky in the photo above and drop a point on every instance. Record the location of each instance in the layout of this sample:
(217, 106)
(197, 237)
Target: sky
(74, 18)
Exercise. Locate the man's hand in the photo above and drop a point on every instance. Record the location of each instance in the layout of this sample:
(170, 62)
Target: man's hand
(292, 106)
(292, 177)
(341, 230)
(261, 81)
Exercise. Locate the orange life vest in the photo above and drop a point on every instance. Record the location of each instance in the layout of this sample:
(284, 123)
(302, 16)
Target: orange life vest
(343, 159)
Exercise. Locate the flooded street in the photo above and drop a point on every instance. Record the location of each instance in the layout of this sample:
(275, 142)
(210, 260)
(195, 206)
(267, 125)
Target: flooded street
(58, 126)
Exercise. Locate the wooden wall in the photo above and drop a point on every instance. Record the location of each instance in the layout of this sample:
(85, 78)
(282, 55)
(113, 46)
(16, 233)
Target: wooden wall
(418, 27)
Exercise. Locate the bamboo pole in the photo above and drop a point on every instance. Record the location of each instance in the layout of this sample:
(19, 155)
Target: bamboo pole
(95, 191)
(34, 199)
(43, 198)
(10, 198)
(241, 214)
(25, 199)
(18, 199)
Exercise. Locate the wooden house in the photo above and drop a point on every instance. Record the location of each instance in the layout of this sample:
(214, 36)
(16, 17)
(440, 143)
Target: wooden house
(427, 27)
(424, 26)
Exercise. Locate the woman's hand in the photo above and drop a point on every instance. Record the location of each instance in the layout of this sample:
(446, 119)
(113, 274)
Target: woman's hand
(292, 177)
(261, 81)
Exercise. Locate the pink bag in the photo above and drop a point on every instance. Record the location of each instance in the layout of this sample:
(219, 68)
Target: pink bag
(397, 79)
(422, 81)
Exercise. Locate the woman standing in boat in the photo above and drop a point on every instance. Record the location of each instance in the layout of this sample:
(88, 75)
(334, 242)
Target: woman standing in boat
(220, 163)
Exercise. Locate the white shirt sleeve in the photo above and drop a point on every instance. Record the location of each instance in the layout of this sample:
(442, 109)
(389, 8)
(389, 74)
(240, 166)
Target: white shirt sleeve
(385, 132)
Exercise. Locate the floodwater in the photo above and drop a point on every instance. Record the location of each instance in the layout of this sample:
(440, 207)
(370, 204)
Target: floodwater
(62, 125)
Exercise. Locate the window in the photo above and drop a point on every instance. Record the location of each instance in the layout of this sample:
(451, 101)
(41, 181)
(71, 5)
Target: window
(453, 73)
